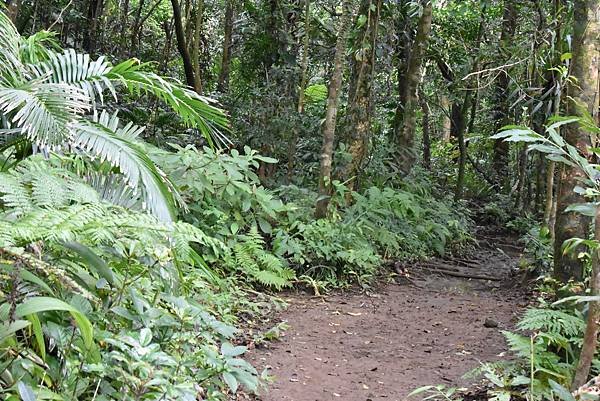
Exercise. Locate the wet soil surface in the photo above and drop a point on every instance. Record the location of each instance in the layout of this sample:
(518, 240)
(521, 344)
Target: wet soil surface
(425, 329)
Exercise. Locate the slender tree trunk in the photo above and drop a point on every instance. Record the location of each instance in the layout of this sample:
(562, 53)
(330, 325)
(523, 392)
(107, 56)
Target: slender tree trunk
(539, 183)
(196, 46)
(405, 134)
(460, 129)
(124, 23)
(223, 81)
(188, 67)
(168, 28)
(501, 148)
(550, 206)
(446, 120)
(301, 95)
(135, 26)
(331, 115)
(404, 33)
(584, 94)
(358, 126)
(590, 337)
(95, 8)
(426, 131)
(13, 7)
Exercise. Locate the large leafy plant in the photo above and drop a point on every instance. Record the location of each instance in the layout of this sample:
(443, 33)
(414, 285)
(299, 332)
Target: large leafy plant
(99, 301)
(56, 101)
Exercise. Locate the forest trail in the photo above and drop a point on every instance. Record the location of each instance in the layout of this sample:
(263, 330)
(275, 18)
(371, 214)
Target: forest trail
(382, 345)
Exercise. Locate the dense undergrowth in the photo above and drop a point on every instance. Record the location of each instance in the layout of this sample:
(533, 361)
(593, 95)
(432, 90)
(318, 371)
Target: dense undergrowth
(153, 305)
(126, 268)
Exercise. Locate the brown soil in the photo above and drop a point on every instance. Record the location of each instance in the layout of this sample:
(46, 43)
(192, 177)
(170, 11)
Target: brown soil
(359, 347)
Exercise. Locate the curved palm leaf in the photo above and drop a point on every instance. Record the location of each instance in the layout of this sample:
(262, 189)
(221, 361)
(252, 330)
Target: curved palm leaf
(97, 76)
(9, 48)
(116, 145)
(43, 111)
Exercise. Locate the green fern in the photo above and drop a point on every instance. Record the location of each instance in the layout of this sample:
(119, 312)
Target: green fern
(553, 322)
(250, 258)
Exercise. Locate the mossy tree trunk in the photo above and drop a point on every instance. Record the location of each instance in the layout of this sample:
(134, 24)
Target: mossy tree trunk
(405, 132)
(333, 96)
(583, 98)
(358, 118)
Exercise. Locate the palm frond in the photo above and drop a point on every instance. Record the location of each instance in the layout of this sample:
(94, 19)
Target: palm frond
(95, 77)
(104, 139)
(39, 47)
(195, 110)
(9, 47)
(78, 70)
(43, 111)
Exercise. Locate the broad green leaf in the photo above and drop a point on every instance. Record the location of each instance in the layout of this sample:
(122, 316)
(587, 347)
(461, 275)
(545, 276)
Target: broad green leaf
(38, 334)
(45, 304)
(230, 351)
(231, 381)
(586, 209)
(25, 392)
(560, 391)
(420, 390)
(93, 261)
(7, 330)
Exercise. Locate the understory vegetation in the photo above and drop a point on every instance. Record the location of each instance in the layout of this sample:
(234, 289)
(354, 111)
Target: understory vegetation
(152, 211)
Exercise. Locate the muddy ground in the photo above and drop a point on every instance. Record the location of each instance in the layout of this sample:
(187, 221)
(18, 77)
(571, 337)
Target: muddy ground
(382, 345)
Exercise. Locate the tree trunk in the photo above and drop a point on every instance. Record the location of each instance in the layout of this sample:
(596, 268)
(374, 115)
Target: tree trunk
(168, 28)
(223, 81)
(135, 26)
(331, 115)
(188, 67)
(358, 126)
(95, 8)
(404, 33)
(426, 131)
(405, 134)
(301, 95)
(446, 120)
(501, 148)
(197, 45)
(460, 128)
(584, 94)
(549, 207)
(12, 8)
(124, 23)
(590, 337)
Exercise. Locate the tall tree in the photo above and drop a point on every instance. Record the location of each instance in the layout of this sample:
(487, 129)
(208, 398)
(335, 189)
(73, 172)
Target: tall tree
(501, 148)
(331, 114)
(90, 38)
(358, 118)
(406, 126)
(197, 45)
(301, 90)
(583, 98)
(182, 46)
(223, 81)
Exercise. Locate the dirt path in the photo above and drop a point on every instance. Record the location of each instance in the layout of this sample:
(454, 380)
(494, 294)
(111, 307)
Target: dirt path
(358, 347)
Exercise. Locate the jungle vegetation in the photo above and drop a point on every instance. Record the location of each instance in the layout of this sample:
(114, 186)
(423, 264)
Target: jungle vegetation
(166, 167)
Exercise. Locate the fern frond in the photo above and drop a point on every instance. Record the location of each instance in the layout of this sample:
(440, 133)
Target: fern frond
(554, 322)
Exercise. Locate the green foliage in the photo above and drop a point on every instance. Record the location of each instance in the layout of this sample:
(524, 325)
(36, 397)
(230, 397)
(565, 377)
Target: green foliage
(545, 354)
(50, 99)
(250, 258)
(379, 225)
